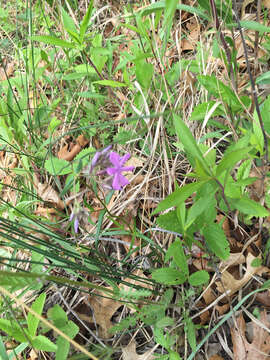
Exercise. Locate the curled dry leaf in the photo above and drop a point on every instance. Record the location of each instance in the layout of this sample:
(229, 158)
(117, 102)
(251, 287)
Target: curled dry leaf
(104, 308)
(232, 285)
(129, 353)
(259, 348)
(65, 154)
(47, 193)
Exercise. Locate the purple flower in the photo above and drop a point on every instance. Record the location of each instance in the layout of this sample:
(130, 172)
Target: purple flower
(119, 180)
(76, 221)
(100, 157)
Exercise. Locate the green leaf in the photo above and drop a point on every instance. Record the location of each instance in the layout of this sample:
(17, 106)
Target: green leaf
(220, 90)
(199, 278)
(13, 329)
(169, 276)
(51, 40)
(256, 262)
(160, 5)
(169, 221)
(249, 207)
(68, 22)
(264, 78)
(216, 241)
(63, 345)
(165, 321)
(42, 343)
(86, 19)
(56, 166)
(178, 196)
(191, 335)
(144, 73)
(32, 320)
(111, 83)
(3, 352)
(254, 25)
(266, 114)
(189, 143)
(229, 160)
(176, 251)
(200, 111)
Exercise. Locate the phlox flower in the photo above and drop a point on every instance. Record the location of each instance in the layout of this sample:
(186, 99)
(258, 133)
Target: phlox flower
(118, 180)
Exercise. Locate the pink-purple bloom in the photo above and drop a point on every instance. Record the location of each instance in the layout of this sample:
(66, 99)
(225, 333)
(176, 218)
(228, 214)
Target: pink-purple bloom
(119, 180)
(76, 221)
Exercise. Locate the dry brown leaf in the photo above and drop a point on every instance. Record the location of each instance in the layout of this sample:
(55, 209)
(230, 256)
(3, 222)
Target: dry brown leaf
(264, 298)
(216, 357)
(266, 4)
(103, 310)
(230, 283)
(260, 346)
(65, 154)
(129, 353)
(47, 193)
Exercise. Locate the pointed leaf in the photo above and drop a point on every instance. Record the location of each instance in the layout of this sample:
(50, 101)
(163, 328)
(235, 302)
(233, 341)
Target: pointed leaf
(189, 143)
(249, 207)
(86, 20)
(42, 343)
(169, 276)
(230, 159)
(199, 278)
(53, 41)
(178, 196)
(32, 321)
(216, 241)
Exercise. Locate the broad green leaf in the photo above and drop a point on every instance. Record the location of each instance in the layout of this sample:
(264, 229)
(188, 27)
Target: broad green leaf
(42, 343)
(219, 90)
(176, 251)
(257, 136)
(144, 73)
(3, 352)
(32, 320)
(165, 321)
(68, 22)
(169, 221)
(86, 19)
(178, 196)
(13, 330)
(216, 241)
(53, 41)
(264, 78)
(199, 207)
(111, 83)
(200, 111)
(56, 166)
(266, 114)
(63, 345)
(169, 276)
(191, 335)
(199, 278)
(249, 207)
(190, 145)
(229, 160)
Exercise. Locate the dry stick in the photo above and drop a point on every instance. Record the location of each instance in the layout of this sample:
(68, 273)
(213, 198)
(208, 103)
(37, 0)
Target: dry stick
(254, 92)
(47, 323)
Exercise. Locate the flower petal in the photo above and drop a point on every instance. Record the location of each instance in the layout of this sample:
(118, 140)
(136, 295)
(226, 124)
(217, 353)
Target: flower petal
(76, 225)
(124, 158)
(115, 159)
(112, 171)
